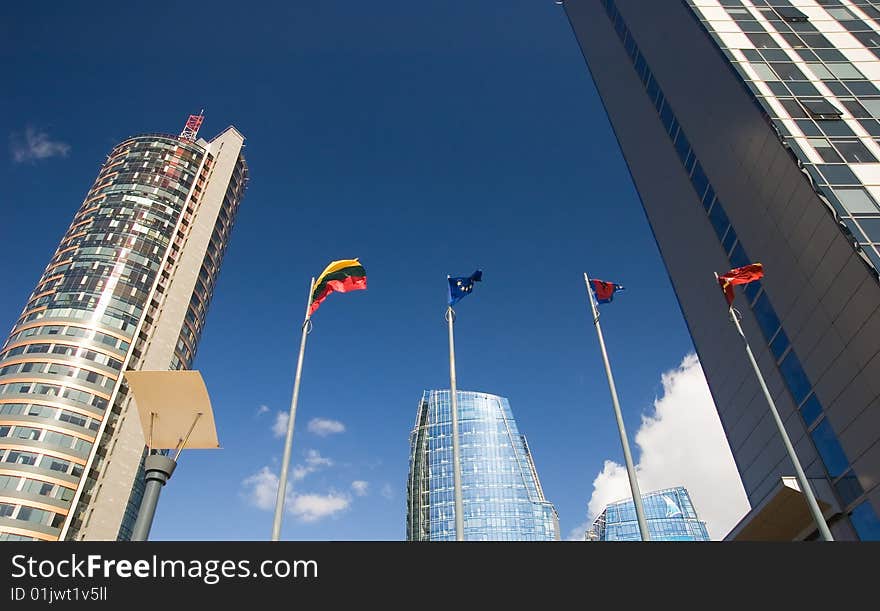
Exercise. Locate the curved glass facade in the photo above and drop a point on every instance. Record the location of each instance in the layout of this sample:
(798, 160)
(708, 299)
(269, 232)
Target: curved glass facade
(91, 317)
(501, 494)
(670, 515)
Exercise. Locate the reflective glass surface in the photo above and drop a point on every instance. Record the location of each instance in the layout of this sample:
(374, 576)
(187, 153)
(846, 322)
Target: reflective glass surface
(501, 494)
(670, 515)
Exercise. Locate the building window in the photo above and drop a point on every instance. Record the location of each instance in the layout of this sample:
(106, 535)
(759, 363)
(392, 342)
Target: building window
(820, 108)
(825, 150)
(794, 377)
(854, 151)
(856, 201)
(790, 14)
(829, 449)
(865, 521)
(811, 410)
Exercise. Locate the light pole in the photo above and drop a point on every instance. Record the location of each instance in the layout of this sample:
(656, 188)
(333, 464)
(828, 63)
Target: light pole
(175, 412)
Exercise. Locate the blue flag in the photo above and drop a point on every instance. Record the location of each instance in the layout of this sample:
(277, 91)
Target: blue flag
(462, 286)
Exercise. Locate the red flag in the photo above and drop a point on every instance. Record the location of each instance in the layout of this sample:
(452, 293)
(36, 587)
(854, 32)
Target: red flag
(740, 275)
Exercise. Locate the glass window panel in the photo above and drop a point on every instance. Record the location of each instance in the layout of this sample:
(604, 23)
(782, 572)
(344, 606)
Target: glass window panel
(803, 88)
(751, 290)
(849, 488)
(775, 55)
(838, 175)
(738, 257)
(820, 71)
(855, 109)
(779, 89)
(780, 344)
(788, 72)
(825, 150)
(856, 201)
(729, 239)
(794, 110)
(806, 54)
(764, 72)
(809, 128)
(794, 376)
(854, 151)
(861, 88)
(719, 219)
(840, 14)
(871, 227)
(789, 13)
(872, 106)
(820, 108)
(699, 180)
(811, 410)
(766, 316)
(864, 519)
(829, 449)
(762, 41)
(845, 71)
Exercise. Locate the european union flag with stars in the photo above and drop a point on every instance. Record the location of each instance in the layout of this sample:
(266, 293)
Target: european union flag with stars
(462, 286)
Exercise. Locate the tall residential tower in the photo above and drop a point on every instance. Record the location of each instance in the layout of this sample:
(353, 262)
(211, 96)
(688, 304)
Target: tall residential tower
(128, 288)
(501, 494)
(750, 128)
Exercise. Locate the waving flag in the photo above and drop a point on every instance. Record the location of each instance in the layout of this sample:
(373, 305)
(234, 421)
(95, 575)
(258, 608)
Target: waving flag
(460, 287)
(604, 291)
(740, 275)
(341, 277)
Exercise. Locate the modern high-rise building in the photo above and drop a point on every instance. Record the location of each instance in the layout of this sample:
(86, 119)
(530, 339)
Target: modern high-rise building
(670, 515)
(128, 288)
(501, 495)
(750, 128)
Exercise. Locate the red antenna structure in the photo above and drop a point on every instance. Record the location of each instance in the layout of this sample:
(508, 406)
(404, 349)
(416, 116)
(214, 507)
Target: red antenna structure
(191, 129)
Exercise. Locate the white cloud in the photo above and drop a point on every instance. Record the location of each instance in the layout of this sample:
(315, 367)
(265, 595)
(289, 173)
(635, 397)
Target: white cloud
(314, 462)
(263, 409)
(34, 145)
(360, 487)
(313, 507)
(325, 426)
(387, 492)
(261, 490)
(279, 427)
(682, 444)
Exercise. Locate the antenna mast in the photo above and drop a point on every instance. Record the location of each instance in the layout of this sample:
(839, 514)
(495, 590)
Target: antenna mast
(191, 129)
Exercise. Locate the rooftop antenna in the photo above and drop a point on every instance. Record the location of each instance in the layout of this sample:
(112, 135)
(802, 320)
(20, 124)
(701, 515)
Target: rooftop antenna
(191, 129)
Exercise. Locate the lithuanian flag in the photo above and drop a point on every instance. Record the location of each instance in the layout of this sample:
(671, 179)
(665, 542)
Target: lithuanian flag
(340, 276)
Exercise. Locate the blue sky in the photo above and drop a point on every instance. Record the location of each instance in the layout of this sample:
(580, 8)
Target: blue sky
(425, 138)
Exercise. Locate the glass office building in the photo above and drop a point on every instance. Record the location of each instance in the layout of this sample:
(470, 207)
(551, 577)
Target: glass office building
(751, 131)
(670, 515)
(127, 288)
(501, 494)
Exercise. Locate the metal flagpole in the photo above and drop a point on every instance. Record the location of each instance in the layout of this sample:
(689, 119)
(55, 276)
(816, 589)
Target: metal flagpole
(285, 462)
(799, 471)
(630, 470)
(456, 464)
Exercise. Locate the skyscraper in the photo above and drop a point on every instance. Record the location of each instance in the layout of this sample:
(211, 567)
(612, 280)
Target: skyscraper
(750, 128)
(670, 515)
(501, 494)
(128, 288)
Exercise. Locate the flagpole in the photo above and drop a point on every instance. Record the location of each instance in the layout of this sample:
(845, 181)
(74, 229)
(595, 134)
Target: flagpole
(799, 471)
(630, 470)
(456, 463)
(288, 442)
